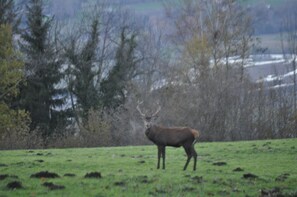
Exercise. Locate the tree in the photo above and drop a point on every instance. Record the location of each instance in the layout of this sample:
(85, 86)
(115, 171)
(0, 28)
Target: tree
(289, 47)
(11, 74)
(9, 14)
(83, 71)
(114, 88)
(207, 35)
(41, 96)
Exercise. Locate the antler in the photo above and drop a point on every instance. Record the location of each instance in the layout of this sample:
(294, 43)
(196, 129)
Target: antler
(139, 103)
(158, 110)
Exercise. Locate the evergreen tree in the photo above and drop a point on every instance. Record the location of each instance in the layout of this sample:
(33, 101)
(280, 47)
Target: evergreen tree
(84, 71)
(9, 14)
(114, 88)
(41, 95)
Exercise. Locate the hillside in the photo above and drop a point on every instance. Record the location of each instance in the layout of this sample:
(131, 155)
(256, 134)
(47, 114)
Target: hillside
(250, 168)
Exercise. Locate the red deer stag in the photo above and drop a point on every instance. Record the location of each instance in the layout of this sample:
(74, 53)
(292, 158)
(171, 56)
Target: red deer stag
(172, 136)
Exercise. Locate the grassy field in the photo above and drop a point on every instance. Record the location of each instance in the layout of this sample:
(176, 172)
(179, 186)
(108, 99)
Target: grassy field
(252, 168)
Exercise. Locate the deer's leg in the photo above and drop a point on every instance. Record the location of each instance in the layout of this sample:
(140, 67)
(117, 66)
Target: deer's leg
(159, 156)
(189, 154)
(194, 154)
(163, 155)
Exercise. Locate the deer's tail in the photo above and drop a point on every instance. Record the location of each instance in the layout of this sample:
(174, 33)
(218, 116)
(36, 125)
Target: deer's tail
(196, 135)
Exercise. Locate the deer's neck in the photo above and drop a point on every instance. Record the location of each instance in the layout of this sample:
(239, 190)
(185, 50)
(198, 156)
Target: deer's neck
(150, 133)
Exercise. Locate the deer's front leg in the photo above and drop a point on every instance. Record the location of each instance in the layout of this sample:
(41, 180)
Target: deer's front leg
(163, 155)
(159, 156)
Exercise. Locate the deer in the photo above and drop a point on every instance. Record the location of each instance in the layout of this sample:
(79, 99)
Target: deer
(169, 136)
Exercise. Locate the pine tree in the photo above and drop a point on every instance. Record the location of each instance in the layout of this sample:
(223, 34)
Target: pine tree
(114, 87)
(84, 71)
(9, 14)
(41, 96)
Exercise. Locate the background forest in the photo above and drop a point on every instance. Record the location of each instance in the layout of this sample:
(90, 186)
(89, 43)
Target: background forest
(72, 72)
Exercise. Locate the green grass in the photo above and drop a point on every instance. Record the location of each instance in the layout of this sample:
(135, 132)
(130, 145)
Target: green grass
(131, 171)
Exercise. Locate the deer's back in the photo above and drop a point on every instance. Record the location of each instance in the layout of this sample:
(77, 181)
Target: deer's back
(173, 136)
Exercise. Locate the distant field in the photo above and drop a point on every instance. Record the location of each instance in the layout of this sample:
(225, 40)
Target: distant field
(149, 5)
(271, 2)
(158, 5)
(272, 42)
(251, 168)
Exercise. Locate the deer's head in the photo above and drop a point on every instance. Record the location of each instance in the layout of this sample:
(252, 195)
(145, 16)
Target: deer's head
(148, 119)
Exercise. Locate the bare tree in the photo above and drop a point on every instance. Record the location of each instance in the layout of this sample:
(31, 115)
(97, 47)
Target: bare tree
(289, 45)
(208, 35)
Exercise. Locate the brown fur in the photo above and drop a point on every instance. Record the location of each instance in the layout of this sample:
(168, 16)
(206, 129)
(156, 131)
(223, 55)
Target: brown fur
(176, 137)
(170, 136)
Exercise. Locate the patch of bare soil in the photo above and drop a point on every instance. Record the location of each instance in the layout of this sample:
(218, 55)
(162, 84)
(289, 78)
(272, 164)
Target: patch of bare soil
(220, 163)
(238, 169)
(120, 183)
(93, 175)
(198, 179)
(274, 192)
(141, 162)
(249, 176)
(3, 176)
(52, 186)
(69, 174)
(144, 179)
(14, 185)
(45, 174)
(282, 177)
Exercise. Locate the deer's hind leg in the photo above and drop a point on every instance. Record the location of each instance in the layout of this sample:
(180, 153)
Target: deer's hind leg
(189, 154)
(194, 154)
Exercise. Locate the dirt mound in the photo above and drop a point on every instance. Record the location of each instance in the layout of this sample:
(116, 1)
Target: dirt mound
(45, 174)
(271, 192)
(220, 163)
(120, 183)
(249, 176)
(282, 177)
(93, 175)
(198, 179)
(52, 186)
(69, 174)
(3, 176)
(144, 179)
(14, 185)
(238, 170)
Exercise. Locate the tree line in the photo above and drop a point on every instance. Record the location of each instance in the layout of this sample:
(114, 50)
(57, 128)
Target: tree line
(77, 83)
